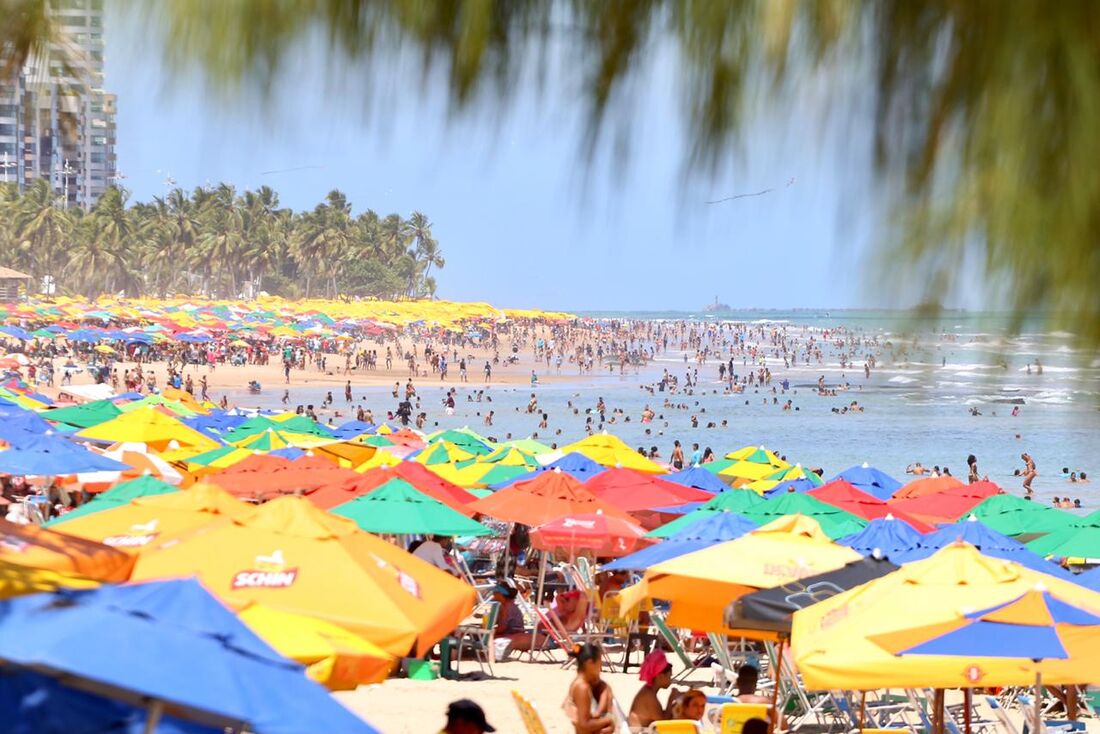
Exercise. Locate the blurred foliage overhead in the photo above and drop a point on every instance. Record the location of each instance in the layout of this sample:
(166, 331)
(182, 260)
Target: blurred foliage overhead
(986, 112)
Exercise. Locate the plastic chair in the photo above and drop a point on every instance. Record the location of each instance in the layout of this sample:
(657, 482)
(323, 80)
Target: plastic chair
(676, 726)
(480, 637)
(531, 721)
(733, 716)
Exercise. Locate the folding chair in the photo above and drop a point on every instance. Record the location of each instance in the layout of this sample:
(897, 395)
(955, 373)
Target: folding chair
(531, 721)
(1001, 714)
(480, 638)
(675, 645)
(1027, 704)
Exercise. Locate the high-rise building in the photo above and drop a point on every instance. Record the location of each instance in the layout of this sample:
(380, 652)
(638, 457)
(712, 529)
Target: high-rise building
(56, 121)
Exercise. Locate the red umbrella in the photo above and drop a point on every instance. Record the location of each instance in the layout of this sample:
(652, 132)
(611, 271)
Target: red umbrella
(604, 535)
(418, 475)
(844, 496)
(926, 486)
(633, 491)
(548, 496)
(947, 506)
(266, 479)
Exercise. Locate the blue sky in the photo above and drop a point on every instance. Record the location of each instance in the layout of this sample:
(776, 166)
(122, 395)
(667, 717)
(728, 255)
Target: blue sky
(521, 216)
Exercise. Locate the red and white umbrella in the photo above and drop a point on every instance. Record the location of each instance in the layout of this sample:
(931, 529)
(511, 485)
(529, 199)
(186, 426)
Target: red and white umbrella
(141, 461)
(600, 534)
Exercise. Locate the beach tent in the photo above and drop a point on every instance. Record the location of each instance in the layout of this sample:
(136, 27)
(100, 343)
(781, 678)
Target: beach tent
(699, 585)
(633, 491)
(549, 496)
(85, 415)
(1015, 516)
(149, 426)
(35, 547)
(144, 521)
(221, 673)
(735, 500)
(397, 508)
(611, 451)
(839, 493)
(593, 532)
(989, 542)
(873, 481)
(834, 522)
(715, 528)
(333, 656)
(887, 535)
(849, 641)
(291, 556)
(117, 496)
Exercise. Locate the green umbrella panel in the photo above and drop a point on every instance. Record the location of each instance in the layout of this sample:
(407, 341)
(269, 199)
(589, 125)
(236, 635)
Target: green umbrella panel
(116, 496)
(738, 501)
(84, 416)
(1014, 516)
(398, 508)
(835, 523)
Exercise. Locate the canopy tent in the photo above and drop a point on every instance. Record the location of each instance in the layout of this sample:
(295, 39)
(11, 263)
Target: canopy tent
(221, 673)
(35, 547)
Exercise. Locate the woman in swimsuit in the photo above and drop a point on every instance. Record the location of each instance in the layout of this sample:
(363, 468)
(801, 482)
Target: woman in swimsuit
(590, 703)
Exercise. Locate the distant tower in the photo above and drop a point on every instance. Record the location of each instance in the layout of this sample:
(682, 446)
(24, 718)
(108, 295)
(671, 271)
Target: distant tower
(56, 121)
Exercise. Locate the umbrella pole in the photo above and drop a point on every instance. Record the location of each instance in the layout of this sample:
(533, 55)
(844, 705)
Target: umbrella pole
(863, 710)
(152, 716)
(937, 712)
(1038, 727)
(966, 710)
(542, 577)
(772, 720)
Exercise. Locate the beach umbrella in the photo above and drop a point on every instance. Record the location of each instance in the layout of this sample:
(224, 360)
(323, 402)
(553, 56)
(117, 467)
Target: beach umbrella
(303, 474)
(419, 476)
(334, 657)
(834, 522)
(611, 451)
(633, 491)
(177, 408)
(442, 452)
(889, 535)
(574, 464)
(18, 580)
(85, 415)
(699, 585)
(1015, 516)
(136, 525)
(529, 445)
(222, 457)
(114, 640)
(53, 456)
(786, 477)
(117, 496)
(698, 477)
(291, 556)
(770, 610)
(847, 497)
(547, 497)
(354, 429)
(397, 508)
(715, 528)
(737, 501)
(473, 473)
(21, 427)
(139, 462)
(464, 439)
(989, 542)
(873, 481)
(601, 535)
(149, 426)
(750, 464)
(509, 456)
(1089, 579)
(926, 486)
(842, 642)
(946, 506)
(35, 547)
(1080, 539)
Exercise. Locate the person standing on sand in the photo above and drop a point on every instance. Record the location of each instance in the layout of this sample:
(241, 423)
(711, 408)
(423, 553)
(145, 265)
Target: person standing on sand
(590, 701)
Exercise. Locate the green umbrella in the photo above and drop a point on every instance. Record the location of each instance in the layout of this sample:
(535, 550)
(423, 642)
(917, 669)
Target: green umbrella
(376, 441)
(465, 439)
(398, 508)
(737, 501)
(84, 416)
(836, 523)
(1013, 516)
(529, 445)
(175, 406)
(116, 496)
(260, 423)
(1080, 539)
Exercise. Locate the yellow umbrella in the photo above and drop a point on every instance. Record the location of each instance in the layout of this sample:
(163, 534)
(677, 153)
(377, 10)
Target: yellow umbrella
(332, 655)
(612, 451)
(848, 641)
(149, 426)
(103, 349)
(701, 584)
(17, 580)
(348, 454)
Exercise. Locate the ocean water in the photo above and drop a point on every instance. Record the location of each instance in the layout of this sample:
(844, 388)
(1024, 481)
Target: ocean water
(930, 374)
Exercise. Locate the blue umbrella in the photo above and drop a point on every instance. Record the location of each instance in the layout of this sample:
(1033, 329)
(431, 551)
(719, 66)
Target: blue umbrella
(172, 643)
(20, 428)
(695, 476)
(793, 485)
(989, 542)
(887, 534)
(716, 528)
(34, 703)
(16, 332)
(575, 464)
(1089, 579)
(351, 429)
(49, 456)
(288, 452)
(871, 480)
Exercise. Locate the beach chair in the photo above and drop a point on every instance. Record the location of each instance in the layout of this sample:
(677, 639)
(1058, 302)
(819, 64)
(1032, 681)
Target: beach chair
(1060, 726)
(732, 716)
(676, 726)
(1002, 715)
(531, 721)
(480, 638)
(848, 712)
(675, 645)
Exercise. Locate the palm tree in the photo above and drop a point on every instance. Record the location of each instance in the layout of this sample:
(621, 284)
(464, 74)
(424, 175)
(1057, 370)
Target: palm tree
(42, 228)
(427, 249)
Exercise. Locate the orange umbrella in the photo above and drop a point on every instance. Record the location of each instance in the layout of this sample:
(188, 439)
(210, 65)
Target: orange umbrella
(35, 547)
(603, 535)
(548, 496)
(147, 519)
(418, 475)
(928, 485)
(291, 556)
(946, 506)
(632, 490)
(304, 474)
